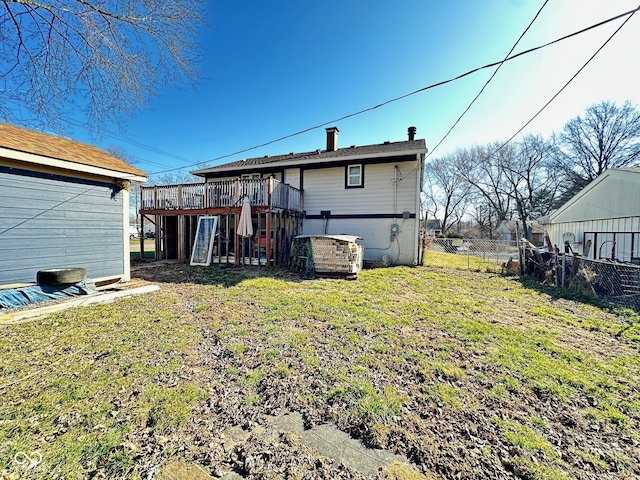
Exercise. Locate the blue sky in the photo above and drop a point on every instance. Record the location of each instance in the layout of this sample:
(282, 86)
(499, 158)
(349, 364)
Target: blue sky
(271, 69)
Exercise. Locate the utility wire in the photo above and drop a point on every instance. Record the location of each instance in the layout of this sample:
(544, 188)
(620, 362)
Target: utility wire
(401, 97)
(134, 142)
(568, 82)
(488, 81)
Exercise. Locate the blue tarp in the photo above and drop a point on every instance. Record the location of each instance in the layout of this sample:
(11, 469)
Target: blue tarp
(20, 297)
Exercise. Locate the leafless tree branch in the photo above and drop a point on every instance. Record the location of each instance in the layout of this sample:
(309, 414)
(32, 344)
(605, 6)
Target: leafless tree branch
(104, 56)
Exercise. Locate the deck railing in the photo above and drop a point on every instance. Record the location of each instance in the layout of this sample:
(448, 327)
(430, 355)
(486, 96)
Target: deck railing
(262, 192)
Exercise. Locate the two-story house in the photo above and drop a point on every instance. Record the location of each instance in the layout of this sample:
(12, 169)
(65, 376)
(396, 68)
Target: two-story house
(370, 191)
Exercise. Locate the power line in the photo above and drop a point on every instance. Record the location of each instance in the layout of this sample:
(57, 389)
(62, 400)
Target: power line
(487, 82)
(401, 97)
(123, 139)
(134, 142)
(568, 82)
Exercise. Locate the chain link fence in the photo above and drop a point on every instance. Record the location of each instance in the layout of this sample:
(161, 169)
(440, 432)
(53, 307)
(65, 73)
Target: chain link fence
(615, 282)
(498, 251)
(606, 280)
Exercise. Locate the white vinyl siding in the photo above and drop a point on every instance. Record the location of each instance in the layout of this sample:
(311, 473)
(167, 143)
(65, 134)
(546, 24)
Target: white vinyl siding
(386, 193)
(375, 233)
(292, 177)
(324, 190)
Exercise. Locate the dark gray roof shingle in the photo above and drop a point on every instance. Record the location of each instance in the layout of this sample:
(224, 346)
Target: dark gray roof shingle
(379, 150)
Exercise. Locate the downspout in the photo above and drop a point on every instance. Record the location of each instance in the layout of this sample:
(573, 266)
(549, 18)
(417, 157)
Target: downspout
(416, 239)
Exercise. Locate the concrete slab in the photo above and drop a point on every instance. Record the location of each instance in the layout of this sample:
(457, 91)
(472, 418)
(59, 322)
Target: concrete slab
(332, 443)
(183, 471)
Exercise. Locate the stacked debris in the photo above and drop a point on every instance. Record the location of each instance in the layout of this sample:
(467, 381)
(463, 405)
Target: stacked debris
(326, 255)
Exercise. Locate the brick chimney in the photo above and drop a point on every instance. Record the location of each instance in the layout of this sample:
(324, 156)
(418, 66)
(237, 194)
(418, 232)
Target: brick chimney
(412, 133)
(332, 139)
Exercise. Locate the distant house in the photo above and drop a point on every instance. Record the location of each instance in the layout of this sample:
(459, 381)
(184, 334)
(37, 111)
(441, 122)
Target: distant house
(603, 219)
(510, 229)
(62, 204)
(433, 227)
(369, 191)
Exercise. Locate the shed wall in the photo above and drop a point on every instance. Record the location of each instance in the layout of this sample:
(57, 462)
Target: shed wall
(605, 211)
(606, 226)
(53, 221)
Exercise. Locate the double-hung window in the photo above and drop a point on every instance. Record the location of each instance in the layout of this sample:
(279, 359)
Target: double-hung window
(354, 176)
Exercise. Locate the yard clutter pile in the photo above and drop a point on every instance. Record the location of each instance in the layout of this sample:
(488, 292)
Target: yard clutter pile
(326, 255)
(52, 284)
(20, 297)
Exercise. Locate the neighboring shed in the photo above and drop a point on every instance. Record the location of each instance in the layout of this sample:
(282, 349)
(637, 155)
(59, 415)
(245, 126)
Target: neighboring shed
(603, 219)
(510, 229)
(62, 204)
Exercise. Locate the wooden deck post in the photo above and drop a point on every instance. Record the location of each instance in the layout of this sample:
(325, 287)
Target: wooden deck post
(181, 239)
(236, 243)
(268, 238)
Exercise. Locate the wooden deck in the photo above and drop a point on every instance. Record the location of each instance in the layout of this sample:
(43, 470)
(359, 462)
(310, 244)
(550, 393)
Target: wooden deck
(276, 212)
(262, 192)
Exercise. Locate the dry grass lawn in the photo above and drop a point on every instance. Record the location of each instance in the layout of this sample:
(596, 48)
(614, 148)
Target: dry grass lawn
(467, 373)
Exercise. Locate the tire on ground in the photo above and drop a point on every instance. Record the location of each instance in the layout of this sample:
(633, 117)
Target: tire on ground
(61, 276)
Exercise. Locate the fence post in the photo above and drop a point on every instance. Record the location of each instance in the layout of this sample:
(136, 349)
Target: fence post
(520, 257)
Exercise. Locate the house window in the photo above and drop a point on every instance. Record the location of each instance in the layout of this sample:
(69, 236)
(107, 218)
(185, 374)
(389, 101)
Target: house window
(354, 176)
(249, 176)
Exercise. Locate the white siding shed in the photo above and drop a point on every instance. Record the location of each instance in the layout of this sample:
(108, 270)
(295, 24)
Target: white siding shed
(604, 217)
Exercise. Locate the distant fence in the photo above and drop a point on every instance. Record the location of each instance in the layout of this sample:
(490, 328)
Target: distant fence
(606, 280)
(498, 251)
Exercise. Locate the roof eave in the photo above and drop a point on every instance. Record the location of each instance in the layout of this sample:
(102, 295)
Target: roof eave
(310, 161)
(68, 165)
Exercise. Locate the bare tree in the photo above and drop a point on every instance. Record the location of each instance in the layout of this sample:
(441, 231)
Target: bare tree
(607, 136)
(502, 180)
(175, 177)
(481, 214)
(445, 191)
(483, 171)
(531, 179)
(103, 56)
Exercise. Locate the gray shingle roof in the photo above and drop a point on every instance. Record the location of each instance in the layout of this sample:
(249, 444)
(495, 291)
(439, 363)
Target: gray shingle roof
(373, 151)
